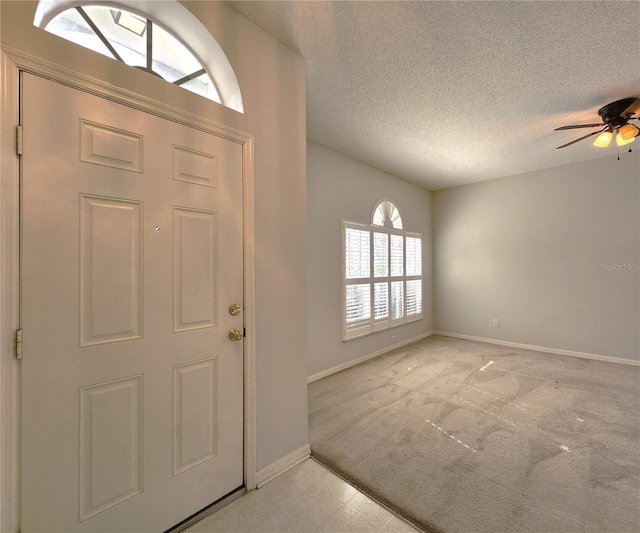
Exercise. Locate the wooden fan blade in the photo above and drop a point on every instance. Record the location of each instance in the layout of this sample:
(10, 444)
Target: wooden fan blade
(633, 109)
(576, 126)
(581, 138)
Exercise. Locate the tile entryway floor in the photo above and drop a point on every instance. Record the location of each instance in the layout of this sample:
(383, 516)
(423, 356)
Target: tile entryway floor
(305, 499)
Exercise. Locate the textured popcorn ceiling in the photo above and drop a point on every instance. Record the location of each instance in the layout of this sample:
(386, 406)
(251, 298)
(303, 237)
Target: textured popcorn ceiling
(447, 93)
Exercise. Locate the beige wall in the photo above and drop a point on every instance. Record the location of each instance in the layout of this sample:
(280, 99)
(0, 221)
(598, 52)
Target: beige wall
(340, 188)
(544, 252)
(271, 78)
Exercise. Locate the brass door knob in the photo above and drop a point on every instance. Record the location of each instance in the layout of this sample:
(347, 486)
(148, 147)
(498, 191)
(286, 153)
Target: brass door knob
(234, 309)
(235, 335)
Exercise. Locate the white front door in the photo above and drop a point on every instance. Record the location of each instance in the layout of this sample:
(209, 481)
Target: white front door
(132, 390)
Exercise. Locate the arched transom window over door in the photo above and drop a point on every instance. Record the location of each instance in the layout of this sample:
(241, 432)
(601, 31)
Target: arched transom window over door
(162, 38)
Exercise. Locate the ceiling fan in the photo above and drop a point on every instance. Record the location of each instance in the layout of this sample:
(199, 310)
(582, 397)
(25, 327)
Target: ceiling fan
(615, 119)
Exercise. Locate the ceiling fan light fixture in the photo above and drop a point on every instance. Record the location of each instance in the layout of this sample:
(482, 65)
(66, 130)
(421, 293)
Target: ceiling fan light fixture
(621, 141)
(628, 132)
(615, 119)
(603, 140)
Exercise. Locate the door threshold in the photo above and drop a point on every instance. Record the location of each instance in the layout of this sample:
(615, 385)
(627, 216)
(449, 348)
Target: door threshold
(208, 510)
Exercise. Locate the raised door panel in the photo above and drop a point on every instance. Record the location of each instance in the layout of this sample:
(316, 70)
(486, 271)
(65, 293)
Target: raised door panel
(110, 270)
(195, 417)
(195, 267)
(110, 444)
(195, 167)
(110, 147)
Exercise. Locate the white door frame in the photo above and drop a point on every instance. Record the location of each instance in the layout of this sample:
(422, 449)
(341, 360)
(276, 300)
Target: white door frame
(11, 63)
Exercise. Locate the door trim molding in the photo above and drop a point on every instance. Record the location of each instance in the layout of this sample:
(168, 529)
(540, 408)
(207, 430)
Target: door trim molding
(9, 298)
(12, 62)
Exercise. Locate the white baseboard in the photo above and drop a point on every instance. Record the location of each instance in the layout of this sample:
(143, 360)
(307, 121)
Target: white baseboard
(283, 464)
(344, 366)
(557, 351)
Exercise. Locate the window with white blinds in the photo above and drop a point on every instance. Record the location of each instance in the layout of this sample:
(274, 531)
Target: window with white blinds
(382, 275)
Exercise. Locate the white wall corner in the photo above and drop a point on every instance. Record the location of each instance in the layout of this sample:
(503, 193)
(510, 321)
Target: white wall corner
(283, 464)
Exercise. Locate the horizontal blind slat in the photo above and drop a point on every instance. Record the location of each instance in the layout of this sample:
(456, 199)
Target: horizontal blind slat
(414, 256)
(397, 255)
(357, 258)
(380, 255)
(397, 300)
(358, 303)
(381, 300)
(414, 297)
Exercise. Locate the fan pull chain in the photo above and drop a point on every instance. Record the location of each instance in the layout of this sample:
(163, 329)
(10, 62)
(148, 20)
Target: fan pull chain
(630, 151)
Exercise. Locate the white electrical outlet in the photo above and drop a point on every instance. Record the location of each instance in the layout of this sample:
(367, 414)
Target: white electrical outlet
(496, 322)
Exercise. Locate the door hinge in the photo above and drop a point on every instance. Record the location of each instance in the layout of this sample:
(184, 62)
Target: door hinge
(19, 344)
(19, 140)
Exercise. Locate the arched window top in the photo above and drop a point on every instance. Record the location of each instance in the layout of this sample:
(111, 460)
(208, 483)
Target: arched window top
(145, 34)
(386, 214)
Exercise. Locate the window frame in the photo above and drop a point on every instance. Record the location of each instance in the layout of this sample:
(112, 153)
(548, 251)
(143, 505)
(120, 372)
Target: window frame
(370, 325)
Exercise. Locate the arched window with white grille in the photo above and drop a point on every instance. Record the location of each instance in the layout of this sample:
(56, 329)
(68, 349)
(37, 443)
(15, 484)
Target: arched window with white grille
(382, 273)
(386, 214)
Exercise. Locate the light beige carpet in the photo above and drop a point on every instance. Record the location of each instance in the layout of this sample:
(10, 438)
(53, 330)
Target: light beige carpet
(463, 437)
